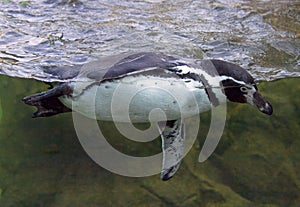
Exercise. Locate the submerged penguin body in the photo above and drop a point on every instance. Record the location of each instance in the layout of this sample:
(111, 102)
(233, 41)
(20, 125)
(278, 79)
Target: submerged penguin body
(137, 97)
(151, 87)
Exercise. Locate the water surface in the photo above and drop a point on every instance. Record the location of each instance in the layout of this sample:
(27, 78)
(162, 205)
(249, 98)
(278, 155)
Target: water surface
(262, 36)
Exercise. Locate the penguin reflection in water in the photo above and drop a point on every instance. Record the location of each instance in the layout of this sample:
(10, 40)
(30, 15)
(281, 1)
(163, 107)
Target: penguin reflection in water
(208, 82)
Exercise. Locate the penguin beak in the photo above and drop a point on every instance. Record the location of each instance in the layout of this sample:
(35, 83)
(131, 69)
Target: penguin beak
(262, 104)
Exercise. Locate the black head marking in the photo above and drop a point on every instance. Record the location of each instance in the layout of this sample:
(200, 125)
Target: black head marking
(233, 91)
(234, 79)
(231, 70)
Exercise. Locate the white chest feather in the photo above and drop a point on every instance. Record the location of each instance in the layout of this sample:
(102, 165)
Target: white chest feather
(134, 99)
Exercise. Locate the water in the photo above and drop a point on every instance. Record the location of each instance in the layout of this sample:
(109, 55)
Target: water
(257, 161)
(262, 36)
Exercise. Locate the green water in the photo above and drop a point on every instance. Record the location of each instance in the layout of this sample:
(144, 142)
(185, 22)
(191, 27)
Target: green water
(0, 111)
(257, 162)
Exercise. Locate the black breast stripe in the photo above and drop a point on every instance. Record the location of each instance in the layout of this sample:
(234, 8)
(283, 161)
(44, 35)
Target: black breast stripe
(208, 89)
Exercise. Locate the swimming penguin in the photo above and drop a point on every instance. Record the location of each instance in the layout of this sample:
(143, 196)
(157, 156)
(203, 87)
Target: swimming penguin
(179, 87)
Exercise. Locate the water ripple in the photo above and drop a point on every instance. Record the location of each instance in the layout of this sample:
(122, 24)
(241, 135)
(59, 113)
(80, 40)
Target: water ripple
(262, 36)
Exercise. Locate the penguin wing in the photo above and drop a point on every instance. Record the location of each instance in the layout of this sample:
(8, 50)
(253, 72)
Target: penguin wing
(134, 64)
(173, 137)
(115, 66)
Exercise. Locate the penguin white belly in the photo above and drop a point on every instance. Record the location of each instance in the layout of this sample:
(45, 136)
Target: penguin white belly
(133, 99)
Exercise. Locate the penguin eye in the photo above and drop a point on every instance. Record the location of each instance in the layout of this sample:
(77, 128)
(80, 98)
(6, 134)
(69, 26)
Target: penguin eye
(244, 89)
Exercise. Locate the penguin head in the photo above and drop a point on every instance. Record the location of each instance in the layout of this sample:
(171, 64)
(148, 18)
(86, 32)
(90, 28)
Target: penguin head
(239, 86)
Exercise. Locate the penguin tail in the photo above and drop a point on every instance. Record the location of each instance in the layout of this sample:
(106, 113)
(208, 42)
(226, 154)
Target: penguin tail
(47, 102)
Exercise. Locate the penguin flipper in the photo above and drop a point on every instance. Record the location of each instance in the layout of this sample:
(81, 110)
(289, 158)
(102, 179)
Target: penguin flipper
(47, 102)
(173, 137)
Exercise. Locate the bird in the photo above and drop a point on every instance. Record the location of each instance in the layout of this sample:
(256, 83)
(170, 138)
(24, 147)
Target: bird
(179, 87)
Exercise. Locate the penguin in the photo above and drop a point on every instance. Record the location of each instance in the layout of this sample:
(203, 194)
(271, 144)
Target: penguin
(179, 87)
